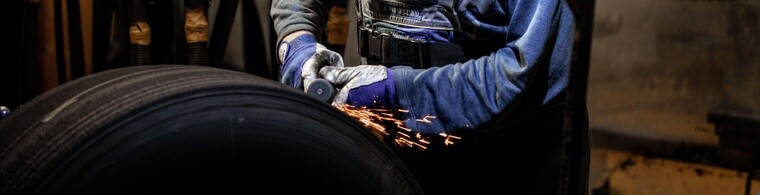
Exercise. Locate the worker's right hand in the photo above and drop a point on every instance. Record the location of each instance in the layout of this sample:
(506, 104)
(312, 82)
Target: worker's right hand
(302, 57)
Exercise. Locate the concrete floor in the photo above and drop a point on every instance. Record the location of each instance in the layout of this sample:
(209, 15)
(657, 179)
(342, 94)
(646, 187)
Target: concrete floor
(626, 173)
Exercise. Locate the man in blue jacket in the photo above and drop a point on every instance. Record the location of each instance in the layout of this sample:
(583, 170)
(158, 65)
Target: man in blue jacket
(492, 71)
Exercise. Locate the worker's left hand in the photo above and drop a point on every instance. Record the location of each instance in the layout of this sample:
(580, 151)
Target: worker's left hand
(366, 85)
(302, 58)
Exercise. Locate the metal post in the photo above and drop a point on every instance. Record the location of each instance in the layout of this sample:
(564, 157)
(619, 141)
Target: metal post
(196, 32)
(220, 32)
(76, 44)
(139, 32)
(575, 147)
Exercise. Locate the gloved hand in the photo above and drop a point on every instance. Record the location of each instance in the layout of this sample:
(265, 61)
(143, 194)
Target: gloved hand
(366, 85)
(302, 58)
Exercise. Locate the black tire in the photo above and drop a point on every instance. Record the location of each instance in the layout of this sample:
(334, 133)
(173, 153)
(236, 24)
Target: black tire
(190, 129)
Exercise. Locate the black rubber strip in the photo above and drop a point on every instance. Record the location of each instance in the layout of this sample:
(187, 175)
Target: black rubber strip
(190, 129)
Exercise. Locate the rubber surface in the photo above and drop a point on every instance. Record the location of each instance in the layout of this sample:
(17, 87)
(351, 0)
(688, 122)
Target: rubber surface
(190, 129)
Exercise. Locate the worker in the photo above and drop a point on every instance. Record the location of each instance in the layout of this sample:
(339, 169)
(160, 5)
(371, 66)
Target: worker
(491, 71)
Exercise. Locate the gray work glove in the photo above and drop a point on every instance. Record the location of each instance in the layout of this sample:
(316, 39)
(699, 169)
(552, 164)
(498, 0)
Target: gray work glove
(366, 85)
(302, 58)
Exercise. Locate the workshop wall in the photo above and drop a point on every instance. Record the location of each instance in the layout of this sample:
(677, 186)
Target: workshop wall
(657, 69)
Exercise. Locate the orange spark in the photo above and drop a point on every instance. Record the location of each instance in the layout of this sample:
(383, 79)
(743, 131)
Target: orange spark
(448, 142)
(375, 119)
(425, 120)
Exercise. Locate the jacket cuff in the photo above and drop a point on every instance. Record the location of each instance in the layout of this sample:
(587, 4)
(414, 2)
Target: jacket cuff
(404, 79)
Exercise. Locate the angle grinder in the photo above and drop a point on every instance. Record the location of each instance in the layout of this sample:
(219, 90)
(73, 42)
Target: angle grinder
(322, 90)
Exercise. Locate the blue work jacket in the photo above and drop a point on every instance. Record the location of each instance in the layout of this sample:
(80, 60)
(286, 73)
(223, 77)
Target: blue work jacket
(462, 95)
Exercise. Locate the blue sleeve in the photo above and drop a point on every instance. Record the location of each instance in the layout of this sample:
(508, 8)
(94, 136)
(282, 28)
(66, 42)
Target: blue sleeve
(464, 95)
